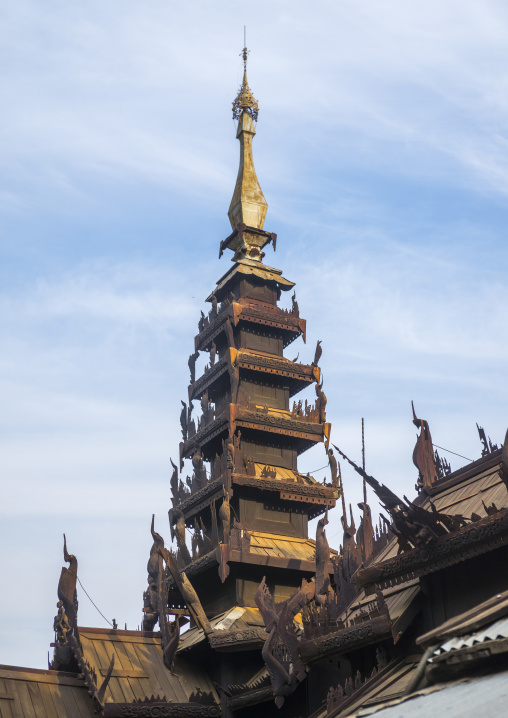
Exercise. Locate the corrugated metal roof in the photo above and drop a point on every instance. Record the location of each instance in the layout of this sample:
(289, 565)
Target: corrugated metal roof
(139, 668)
(485, 696)
(482, 616)
(496, 630)
(31, 693)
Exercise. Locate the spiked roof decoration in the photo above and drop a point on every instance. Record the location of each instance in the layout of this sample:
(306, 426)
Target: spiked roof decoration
(245, 100)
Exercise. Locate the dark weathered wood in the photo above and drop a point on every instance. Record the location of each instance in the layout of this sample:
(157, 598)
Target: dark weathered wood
(469, 541)
(115, 633)
(465, 661)
(134, 674)
(254, 310)
(306, 567)
(124, 672)
(472, 469)
(237, 488)
(162, 710)
(479, 616)
(40, 674)
(347, 639)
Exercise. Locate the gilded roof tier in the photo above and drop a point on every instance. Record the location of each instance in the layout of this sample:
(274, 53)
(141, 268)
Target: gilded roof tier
(267, 544)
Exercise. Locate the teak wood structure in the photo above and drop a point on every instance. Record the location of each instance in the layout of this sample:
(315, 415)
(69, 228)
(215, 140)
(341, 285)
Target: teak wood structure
(277, 621)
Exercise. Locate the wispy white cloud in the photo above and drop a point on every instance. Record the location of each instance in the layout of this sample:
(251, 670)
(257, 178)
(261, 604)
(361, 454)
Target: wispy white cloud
(122, 97)
(380, 123)
(141, 295)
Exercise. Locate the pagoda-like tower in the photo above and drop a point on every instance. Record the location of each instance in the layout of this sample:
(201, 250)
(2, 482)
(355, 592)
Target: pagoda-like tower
(246, 504)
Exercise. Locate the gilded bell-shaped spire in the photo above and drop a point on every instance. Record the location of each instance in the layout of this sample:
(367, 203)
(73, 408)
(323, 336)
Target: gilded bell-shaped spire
(248, 205)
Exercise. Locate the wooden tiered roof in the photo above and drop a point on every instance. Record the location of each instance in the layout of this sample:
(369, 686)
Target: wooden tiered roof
(139, 671)
(472, 491)
(277, 618)
(33, 693)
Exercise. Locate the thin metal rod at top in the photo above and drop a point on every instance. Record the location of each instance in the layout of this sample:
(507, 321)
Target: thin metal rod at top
(363, 462)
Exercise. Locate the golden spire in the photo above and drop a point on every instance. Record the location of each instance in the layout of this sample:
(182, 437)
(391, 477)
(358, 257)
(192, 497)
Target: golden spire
(245, 100)
(248, 204)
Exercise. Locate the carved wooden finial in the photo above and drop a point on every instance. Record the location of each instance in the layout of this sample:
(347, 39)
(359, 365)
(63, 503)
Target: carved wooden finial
(423, 453)
(67, 585)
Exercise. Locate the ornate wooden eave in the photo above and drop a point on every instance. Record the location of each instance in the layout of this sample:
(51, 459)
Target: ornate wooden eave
(242, 695)
(198, 565)
(211, 375)
(298, 376)
(303, 374)
(316, 494)
(270, 316)
(283, 423)
(247, 267)
(271, 421)
(196, 502)
(469, 541)
(234, 640)
(244, 556)
(250, 698)
(214, 326)
(161, 709)
(219, 426)
(256, 313)
(347, 639)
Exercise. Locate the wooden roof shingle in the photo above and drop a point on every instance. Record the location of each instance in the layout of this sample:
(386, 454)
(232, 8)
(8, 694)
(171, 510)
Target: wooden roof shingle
(139, 670)
(35, 693)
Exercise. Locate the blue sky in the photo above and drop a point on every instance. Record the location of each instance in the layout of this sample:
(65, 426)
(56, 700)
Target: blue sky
(382, 151)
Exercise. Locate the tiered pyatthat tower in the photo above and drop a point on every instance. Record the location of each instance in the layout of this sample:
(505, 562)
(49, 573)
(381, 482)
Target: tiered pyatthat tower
(280, 623)
(246, 503)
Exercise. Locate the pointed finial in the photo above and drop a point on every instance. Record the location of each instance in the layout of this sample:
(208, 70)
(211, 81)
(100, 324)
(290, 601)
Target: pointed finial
(363, 462)
(244, 52)
(245, 100)
(248, 205)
